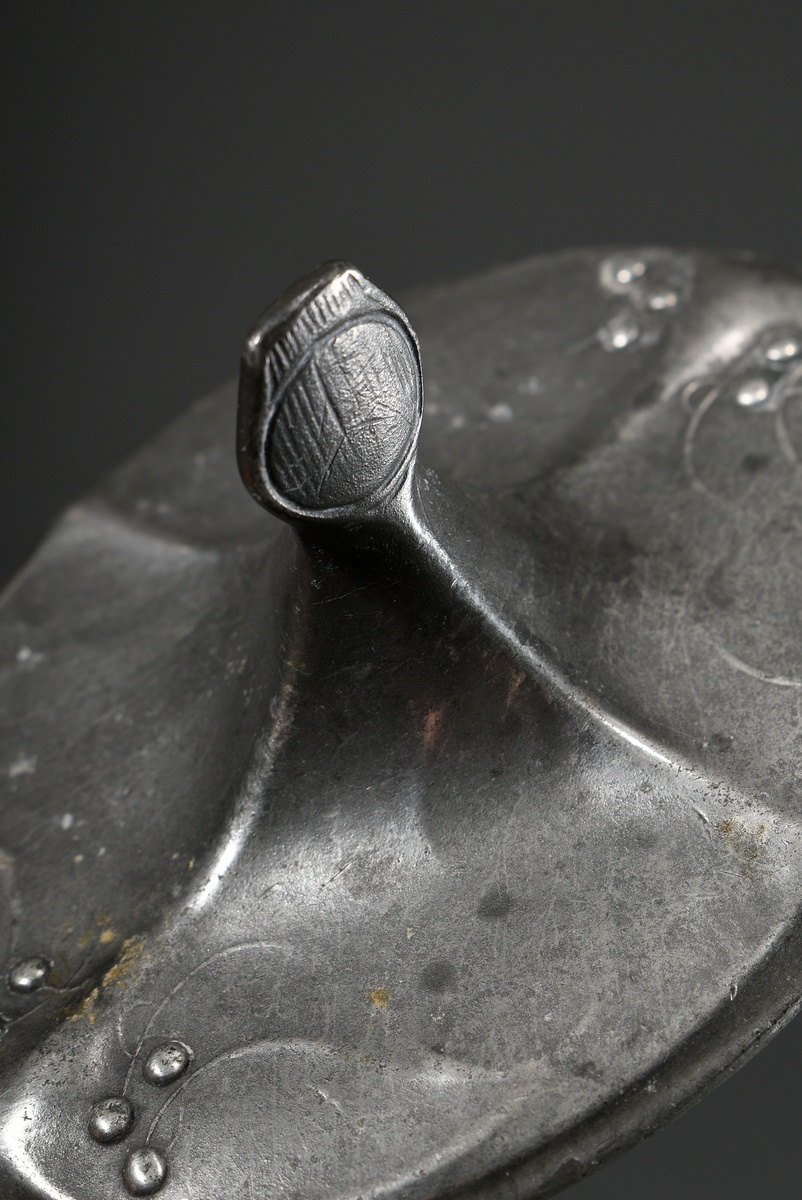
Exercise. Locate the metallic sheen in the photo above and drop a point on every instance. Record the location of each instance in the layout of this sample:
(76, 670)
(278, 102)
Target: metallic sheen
(111, 1119)
(446, 800)
(28, 975)
(166, 1063)
(330, 397)
(145, 1171)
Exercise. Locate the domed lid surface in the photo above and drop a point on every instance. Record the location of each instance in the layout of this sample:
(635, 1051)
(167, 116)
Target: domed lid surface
(444, 838)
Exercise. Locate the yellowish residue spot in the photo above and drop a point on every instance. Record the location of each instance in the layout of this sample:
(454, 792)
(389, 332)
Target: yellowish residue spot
(101, 929)
(130, 957)
(410, 932)
(431, 728)
(380, 997)
(6, 861)
(744, 838)
(515, 682)
(131, 954)
(86, 1008)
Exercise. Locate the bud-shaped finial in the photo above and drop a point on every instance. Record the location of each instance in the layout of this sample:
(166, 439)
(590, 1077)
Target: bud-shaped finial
(331, 397)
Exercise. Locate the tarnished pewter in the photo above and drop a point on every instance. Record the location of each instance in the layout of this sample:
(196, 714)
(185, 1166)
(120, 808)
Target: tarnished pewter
(28, 975)
(451, 819)
(111, 1119)
(144, 1172)
(166, 1063)
(330, 399)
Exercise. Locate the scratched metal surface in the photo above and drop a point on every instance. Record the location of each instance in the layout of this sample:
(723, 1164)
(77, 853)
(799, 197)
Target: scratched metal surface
(431, 909)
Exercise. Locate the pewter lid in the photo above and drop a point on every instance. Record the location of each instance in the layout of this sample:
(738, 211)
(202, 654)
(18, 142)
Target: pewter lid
(445, 838)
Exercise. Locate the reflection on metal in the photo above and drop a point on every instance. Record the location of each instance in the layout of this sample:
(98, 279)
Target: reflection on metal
(650, 286)
(166, 1063)
(437, 830)
(28, 975)
(111, 1119)
(144, 1172)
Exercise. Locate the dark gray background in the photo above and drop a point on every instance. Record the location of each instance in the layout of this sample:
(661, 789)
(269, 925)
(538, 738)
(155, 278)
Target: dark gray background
(169, 167)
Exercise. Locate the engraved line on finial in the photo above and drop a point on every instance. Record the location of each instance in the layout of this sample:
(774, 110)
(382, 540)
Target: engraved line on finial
(331, 399)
